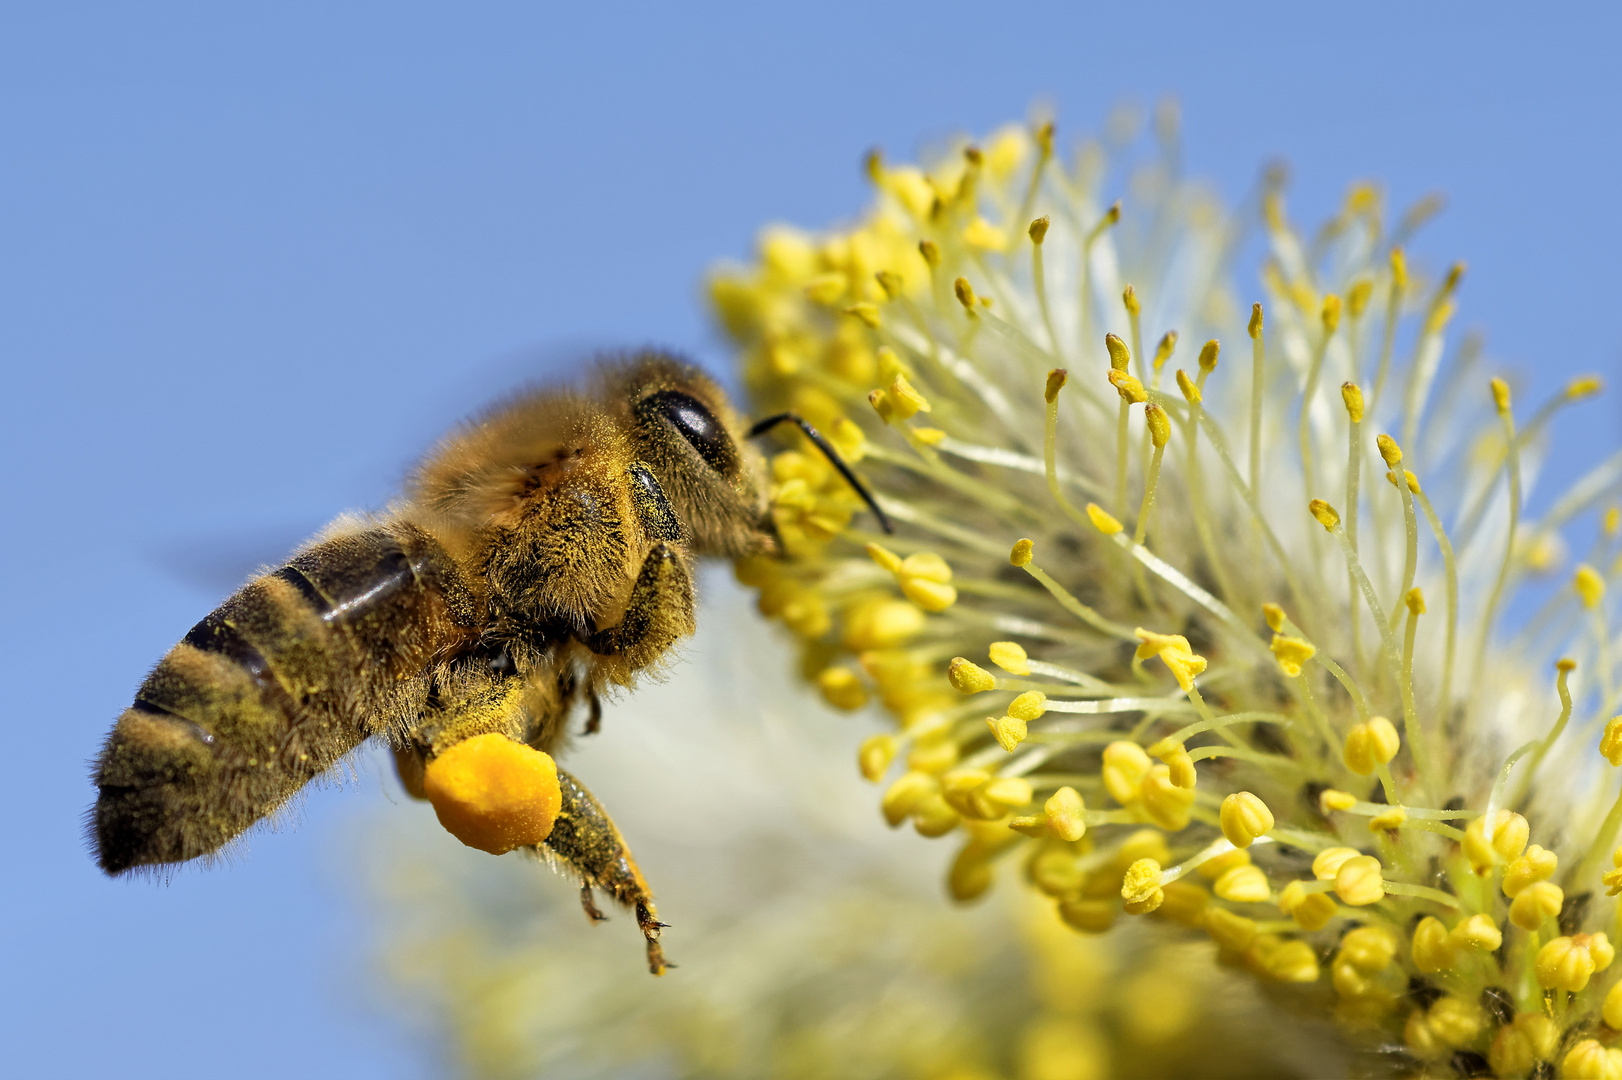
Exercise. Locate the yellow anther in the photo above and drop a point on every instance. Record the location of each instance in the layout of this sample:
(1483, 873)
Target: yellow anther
(1399, 270)
(1255, 327)
(960, 785)
(1119, 355)
(826, 288)
(982, 234)
(1532, 905)
(884, 557)
(1006, 793)
(1009, 731)
(890, 282)
(1174, 755)
(1311, 911)
(1610, 745)
(1534, 865)
(905, 400)
(1044, 138)
(930, 251)
(1611, 524)
(1389, 450)
(842, 689)
(1163, 350)
(1414, 599)
(1010, 656)
(493, 793)
(1274, 614)
(1332, 800)
(965, 293)
(1589, 585)
(1021, 553)
(1371, 744)
(1191, 392)
(1369, 949)
(968, 677)
(1478, 932)
(866, 311)
(1352, 396)
(1357, 297)
(901, 797)
(1244, 817)
(1611, 1011)
(1165, 802)
(1129, 297)
(1584, 386)
(1215, 867)
(1208, 355)
(1330, 315)
(1326, 515)
(1128, 386)
(1140, 888)
(1056, 381)
(1566, 664)
(1432, 946)
(1388, 821)
(929, 436)
(1413, 481)
(1588, 1060)
(1066, 814)
(934, 816)
(875, 755)
(1500, 395)
(1292, 653)
(1567, 963)
(881, 404)
(1088, 916)
(1159, 425)
(1174, 652)
(848, 439)
(1185, 903)
(1520, 1045)
(1102, 520)
(1029, 705)
(1612, 879)
(1327, 863)
(1232, 932)
(924, 579)
(1243, 885)
(1113, 214)
(1359, 882)
(1455, 1022)
(1125, 766)
(1509, 835)
(881, 624)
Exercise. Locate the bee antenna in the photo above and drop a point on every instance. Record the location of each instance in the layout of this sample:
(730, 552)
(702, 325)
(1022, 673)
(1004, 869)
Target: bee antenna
(762, 426)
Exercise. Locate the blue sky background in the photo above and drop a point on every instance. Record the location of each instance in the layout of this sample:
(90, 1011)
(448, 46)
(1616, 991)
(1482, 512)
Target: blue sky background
(252, 261)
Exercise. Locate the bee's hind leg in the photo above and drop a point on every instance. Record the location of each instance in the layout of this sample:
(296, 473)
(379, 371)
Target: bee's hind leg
(589, 903)
(584, 837)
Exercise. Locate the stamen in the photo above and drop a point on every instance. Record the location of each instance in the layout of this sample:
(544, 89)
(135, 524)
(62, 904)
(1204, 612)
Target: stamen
(1258, 363)
(1512, 462)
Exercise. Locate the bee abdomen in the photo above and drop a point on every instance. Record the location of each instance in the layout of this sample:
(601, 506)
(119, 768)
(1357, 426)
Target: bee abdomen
(272, 688)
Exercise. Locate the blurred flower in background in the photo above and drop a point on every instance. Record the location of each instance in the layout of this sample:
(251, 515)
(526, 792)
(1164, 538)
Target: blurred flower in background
(1191, 635)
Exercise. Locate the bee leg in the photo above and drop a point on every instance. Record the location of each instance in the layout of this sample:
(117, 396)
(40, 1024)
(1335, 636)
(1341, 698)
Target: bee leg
(584, 837)
(658, 613)
(593, 912)
(594, 719)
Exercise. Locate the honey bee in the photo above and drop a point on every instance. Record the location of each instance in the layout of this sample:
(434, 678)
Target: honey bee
(540, 556)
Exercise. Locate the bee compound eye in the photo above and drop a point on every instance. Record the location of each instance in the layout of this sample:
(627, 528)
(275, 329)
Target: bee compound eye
(696, 424)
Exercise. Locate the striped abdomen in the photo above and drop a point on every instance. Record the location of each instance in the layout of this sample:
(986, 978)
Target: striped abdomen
(269, 691)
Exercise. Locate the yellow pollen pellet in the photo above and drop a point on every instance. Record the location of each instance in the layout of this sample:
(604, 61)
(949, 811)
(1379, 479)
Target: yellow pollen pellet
(842, 689)
(1532, 905)
(875, 755)
(1326, 514)
(1509, 835)
(1056, 380)
(1352, 396)
(1389, 450)
(1120, 357)
(1102, 520)
(1332, 800)
(1610, 745)
(1274, 616)
(1589, 585)
(1244, 817)
(1066, 814)
(1029, 706)
(1292, 653)
(493, 793)
(1478, 932)
(964, 292)
(1125, 766)
(1432, 946)
(1038, 230)
(1311, 911)
(1009, 731)
(1208, 355)
(968, 677)
(1534, 864)
(1163, 351)
(1358, 881)
(1191, 393)
(1128, 386)
(1243, 885)
(1327, 863)
(1371, 744)
(1011, 657)
(1159, 425)
(1232, 932)
(1021, 553)
(906, 401)
(1254, 328)
(1129, 297)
